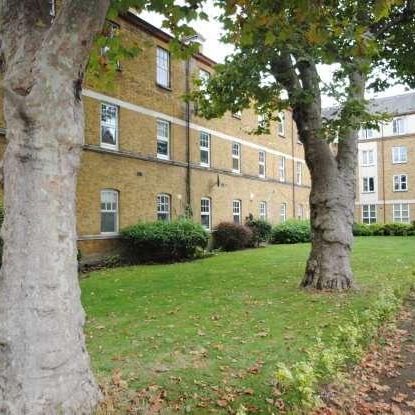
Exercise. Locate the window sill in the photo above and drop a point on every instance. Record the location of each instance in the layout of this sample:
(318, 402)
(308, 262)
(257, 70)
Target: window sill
(368, 192)
(109, 147)
(163, 87)
(369, 165)
(205, 165)
(400, 191)
(400, 162)
(163, 157)
(282, 135)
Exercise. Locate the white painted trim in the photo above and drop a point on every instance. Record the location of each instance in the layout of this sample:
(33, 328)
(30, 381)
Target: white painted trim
(151, 113)
(387, 202)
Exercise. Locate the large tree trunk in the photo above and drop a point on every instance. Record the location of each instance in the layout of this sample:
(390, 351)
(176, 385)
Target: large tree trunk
(44, 366)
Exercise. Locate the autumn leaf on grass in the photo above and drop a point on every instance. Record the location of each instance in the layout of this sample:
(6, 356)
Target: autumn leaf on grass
(262, 334)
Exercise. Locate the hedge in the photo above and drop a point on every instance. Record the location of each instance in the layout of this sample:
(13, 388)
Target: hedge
(291, 232)
(261, 230)
(380, 229)
(163, 241)
(231, 236)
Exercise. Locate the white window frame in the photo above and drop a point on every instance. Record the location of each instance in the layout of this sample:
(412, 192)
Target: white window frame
(160, 202)
(398, 126)
(281, 124)
(237, 211)
(368, 158)
(261, 120)
(206, 211)
(237, 114)
(281, 169)
(369, 213)
(163, 67)
(204, 148)
(299, 173)
(366, 184)
(400, 182)
(399, 155)
(262, 164)
(109, 125)
(163, 139)
(236, 155)
(263, 210)
(400, 218)
(283, 212)
(300, 212)
(115, 193)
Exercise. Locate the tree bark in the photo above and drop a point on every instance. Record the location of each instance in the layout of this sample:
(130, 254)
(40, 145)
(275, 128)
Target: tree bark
(44, 366)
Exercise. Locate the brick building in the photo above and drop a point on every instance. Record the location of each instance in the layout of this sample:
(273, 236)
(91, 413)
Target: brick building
(147, 155)
(386, 190)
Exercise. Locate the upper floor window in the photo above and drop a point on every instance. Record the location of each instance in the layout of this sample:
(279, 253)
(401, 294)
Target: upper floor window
(204, 141)
(283, 212)
(368, 158)
(163, 139)
(109, 211)
(236, 157)
(163, 206)
(299, 172)
(237, 211)
(368, 184)
(369, 214)
(205, 212)
(109, 126)
(399, 155)
(401, 212)
(263, 210)
(398, 126)
(163, 67)
(204, 75)
(261, 121)
(261, 163)
(281, 124)
(400, 183)
(281, 169)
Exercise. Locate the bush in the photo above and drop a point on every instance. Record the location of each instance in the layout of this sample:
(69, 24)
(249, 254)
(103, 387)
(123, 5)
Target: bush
(379, 229)
(230, 236)
(291, 232)
(163, 241)
(261, 230)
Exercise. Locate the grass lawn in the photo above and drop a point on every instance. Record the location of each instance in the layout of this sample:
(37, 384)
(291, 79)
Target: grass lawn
(210, 332)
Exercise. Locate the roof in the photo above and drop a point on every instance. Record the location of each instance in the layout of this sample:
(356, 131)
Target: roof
(162, 35)
(394, 105)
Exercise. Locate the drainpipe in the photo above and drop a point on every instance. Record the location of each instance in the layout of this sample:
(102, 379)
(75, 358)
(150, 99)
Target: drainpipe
(382, 144)
(292, 154)
(188, 208)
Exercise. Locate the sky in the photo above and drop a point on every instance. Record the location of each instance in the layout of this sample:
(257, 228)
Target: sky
(213, 48)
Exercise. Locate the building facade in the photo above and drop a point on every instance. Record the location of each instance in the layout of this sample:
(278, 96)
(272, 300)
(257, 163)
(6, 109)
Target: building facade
(148, 156)
(386, 188)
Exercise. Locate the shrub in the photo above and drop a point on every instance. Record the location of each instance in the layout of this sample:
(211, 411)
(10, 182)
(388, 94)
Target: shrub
(163, 241)
(261, 230)
(397, 229)
(379, 229)
(231, 236)
(291, 232)
(362, 229)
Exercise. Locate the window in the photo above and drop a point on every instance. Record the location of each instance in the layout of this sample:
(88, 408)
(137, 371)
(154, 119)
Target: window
(109, 126)
(163, 139)
(204, 141)
(399, 155)
(204, 75)
(236, 157)
(281, 168)
(261, 121)
(261, 164)
(400, 183)
(205, 213)
(398, 126)
(163, 67)
(300, 212)
(281, 124)
(369, 214)
(237, 114)
(367, 133)
(236, 210)
(368, 184)
(283, 212)
(263, 211)
(52, 10)
(401, 212)
(163, 207)
(109, 211)
(299, 172)
(367, 158)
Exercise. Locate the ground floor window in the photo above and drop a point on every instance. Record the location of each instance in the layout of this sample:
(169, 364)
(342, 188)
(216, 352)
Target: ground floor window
(283, 212)
(163, 206)
(109, 211)
(401, 212)
(369, 214)
(205, 212)
(236, 209)
(263, 214)
(300, 212)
